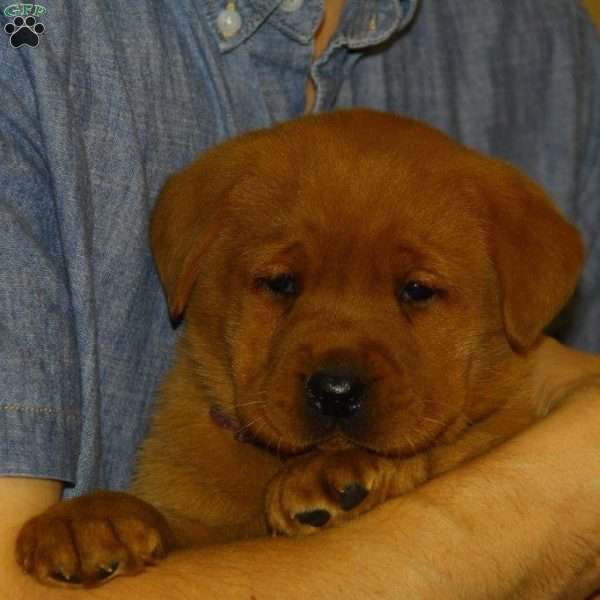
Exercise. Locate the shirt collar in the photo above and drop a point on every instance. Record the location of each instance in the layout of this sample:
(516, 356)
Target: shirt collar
(371, 22)
(364, 22)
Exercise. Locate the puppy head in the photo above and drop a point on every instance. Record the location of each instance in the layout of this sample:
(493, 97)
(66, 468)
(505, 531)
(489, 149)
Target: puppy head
(357, 276)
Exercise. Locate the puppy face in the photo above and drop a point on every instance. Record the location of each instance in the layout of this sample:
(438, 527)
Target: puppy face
(358, 278)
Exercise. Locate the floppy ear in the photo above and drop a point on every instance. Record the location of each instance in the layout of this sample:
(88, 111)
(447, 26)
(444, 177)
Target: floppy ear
(189, 216)
(538, 255)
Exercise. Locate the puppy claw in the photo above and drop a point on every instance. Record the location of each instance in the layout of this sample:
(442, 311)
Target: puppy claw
(65, 578)
(316, 518)
(104, 572)
(352, 495)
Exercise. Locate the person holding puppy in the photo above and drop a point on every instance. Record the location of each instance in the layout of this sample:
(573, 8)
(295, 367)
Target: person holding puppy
(87, 337)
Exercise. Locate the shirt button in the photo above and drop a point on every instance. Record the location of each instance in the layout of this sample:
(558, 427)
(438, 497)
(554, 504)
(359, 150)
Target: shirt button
(229, 21)
(291, 5)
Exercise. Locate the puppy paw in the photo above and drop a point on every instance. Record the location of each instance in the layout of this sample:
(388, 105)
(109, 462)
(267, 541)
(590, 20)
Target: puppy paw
(326, 488)
(89, 540)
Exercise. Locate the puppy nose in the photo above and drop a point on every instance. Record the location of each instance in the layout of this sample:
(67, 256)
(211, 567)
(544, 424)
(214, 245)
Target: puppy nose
(335, 393)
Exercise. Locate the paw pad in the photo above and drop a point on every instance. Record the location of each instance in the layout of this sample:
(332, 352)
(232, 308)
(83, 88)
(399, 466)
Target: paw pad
(24, 31)
(316, 518)
(352, 495)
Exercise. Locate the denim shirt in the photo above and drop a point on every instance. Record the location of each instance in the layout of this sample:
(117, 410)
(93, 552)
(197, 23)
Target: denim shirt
(118, 94)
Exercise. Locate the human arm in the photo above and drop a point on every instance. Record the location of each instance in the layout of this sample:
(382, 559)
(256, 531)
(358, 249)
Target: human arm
(520, 522)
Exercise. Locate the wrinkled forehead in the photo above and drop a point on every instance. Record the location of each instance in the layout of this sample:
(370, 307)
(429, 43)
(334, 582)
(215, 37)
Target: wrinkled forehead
(364, 187)
(370, 210)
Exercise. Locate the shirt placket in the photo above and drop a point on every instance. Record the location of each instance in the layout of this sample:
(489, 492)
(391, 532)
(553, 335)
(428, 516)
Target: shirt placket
(267, 59)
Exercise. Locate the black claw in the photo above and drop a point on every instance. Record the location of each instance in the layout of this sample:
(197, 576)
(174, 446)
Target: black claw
(316, 518)
(352, 495)
(60, 576)
(105, 572)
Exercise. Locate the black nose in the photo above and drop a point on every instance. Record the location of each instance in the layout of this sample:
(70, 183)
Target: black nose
(335, 393)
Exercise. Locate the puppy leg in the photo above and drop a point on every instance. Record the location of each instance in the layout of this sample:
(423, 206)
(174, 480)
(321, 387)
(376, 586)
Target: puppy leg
(89, 540)
(323, 489)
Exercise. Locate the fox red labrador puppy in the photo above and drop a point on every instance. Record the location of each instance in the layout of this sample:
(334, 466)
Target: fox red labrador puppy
(362, 298)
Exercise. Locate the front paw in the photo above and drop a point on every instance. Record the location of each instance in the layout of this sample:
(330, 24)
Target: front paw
(89, 540)
(326, 488)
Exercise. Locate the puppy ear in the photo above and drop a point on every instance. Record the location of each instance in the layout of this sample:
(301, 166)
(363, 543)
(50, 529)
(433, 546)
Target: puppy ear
(538, 255)
(189, 216)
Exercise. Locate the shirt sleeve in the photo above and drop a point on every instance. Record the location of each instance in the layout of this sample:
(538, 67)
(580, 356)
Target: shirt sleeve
(585, 330)
(39, 381)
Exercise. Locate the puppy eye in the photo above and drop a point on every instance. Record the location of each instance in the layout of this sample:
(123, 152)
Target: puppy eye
(415, 292)
(282, 285)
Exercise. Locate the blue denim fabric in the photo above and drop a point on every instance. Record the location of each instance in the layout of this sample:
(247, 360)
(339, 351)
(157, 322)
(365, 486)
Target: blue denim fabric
(119, 94)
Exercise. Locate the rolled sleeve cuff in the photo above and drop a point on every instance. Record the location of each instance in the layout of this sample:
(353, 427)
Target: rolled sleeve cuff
(38, 442)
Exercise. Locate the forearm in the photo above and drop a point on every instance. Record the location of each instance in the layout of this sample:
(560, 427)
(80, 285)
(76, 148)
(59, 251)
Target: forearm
(520, 522)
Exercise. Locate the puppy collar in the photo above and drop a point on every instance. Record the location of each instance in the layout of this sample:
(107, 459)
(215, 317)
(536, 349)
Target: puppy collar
(229, 423)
